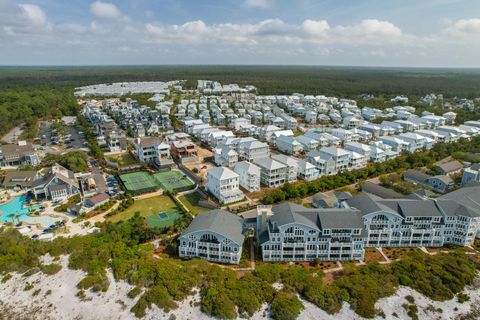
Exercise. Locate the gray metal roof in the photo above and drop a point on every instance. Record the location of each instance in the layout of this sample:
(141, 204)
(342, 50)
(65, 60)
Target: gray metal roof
(418, 208)
(365, 203)
(218, 221)
(340, 218)
(287, 213)
(380, 191)
(467, 196)
(453, 208)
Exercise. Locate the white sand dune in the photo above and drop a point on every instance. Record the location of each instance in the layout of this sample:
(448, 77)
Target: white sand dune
(63, 304)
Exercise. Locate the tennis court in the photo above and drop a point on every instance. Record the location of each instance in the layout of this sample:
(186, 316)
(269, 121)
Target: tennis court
(163, 219)
(138, 182)
(173, 181)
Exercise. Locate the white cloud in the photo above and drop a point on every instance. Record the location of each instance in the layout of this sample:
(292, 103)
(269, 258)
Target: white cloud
(34, 14)
(257, 3)
(315, 27)
(25, 29)
(468, 25)
(105, 10)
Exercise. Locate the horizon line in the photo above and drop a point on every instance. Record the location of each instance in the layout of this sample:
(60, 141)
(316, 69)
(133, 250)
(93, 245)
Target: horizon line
(234, 65)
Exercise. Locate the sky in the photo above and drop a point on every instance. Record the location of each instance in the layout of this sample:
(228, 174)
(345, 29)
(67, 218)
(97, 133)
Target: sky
(395, 33)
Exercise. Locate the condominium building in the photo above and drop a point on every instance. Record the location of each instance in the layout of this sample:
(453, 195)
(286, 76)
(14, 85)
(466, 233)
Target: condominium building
(215, 236)
(450, 219)
(290, 232)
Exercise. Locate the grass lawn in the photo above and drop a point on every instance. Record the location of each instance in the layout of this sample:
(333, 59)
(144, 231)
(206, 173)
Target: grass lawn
(146, 207)
(123, 159)
(191, 202)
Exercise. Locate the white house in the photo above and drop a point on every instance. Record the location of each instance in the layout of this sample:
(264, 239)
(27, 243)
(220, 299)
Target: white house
(225, 157)
(340, 156)
(307, 171)
(308, 143)
(223, 183)
(417, 142)
(291, 163)
(398, 145)
(272, 172)
(289, 145)
(249, 175)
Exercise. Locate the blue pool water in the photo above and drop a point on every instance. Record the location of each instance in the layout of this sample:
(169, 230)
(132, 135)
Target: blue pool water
(15, 206)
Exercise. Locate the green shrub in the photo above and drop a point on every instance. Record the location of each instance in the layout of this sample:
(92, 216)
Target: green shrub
(462, 297)
(6, 277)
(286, 306)
(96, 282)
(28, 287)
(51, 269)
(134, 292)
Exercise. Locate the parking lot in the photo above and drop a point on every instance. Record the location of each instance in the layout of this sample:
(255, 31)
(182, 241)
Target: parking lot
(74, 139)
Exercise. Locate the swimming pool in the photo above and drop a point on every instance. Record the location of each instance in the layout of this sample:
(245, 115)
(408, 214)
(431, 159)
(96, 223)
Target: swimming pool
(15, 206)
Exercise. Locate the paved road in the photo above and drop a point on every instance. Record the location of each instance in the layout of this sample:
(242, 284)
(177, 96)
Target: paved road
(12, 135)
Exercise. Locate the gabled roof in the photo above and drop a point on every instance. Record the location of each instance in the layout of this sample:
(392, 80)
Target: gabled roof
(445, 179)
(221, 173)
(453, 208)
(416, 175)
(269, 164)
(450, 166)
(334, 151)
(247, 167)
(418, 208)
(218, 221)
(287, 213)
(467, 196)
(289, 161)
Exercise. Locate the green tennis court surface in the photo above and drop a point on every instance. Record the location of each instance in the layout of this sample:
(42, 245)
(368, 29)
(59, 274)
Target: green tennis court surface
(136, 181)
(163, 219)
(173, 181)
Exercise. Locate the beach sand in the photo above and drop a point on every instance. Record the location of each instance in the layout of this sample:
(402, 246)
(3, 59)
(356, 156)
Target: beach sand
(63, 304)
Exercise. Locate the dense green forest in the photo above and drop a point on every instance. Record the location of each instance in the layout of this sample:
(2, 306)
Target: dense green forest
(29, 93)
(163, 281)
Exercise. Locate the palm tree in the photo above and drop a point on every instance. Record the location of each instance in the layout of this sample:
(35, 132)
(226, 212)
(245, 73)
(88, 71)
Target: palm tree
(17, 216)
(12, 216)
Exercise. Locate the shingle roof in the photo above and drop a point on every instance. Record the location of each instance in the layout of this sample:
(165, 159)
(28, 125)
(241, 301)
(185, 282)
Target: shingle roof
(451, 166)
(218, 221)
(380, 191)
(416, 175)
